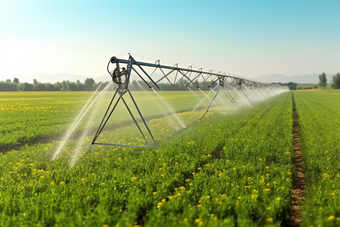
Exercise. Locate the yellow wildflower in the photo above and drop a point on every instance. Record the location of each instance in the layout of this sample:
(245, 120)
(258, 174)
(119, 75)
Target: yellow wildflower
(254, 196)
(269, 219)
(331, 217)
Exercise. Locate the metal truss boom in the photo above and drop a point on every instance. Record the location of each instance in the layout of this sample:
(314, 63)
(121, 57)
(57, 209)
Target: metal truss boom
(205, 76)
(218, 83)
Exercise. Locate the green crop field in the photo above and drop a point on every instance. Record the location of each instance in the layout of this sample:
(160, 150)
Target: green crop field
(319, 117)
(231, 168)
(29, 116)
(32, 115)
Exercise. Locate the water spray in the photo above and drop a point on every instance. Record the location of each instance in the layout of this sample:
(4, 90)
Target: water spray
(223, 89)
(198, 78)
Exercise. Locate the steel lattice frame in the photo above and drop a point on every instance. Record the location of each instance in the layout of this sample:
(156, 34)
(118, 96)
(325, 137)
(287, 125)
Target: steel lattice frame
(198, 78)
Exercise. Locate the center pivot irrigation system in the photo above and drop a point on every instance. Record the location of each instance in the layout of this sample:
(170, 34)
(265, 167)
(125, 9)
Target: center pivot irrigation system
(123, 69)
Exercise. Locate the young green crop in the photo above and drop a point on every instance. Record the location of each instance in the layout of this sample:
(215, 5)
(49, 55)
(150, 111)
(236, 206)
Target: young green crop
(226, 170)
(319, 121)
(27, 116)
(31, 115)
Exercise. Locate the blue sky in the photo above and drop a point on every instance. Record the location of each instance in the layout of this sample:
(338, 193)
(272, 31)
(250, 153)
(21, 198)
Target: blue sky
(247, 38)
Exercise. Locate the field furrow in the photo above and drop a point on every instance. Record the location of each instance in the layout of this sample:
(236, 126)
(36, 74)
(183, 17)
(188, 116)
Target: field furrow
(320, 132)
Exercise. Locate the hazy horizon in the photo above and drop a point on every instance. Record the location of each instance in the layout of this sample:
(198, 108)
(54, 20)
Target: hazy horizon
(268, 78)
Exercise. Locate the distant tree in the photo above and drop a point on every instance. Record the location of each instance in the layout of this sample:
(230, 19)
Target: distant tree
(26, 87)
(336, 81)
(89, 82)
(49, 87)
(4, 86)
(35, 82)
(8, 81)
(16, 80)
(63, 86)
(57, 86)
(71, 86)
(322, 80)
(291, 85)
(39, 87)
(80, 86)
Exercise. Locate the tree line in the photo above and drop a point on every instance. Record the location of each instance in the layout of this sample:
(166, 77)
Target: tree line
(335, 81)
(15, 85)
(89, 85)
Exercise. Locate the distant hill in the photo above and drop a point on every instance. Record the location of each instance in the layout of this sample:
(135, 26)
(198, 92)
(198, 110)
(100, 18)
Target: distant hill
(305, 79)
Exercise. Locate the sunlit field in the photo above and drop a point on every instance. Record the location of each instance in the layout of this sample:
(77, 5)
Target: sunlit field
(320, 135)
(233, 167)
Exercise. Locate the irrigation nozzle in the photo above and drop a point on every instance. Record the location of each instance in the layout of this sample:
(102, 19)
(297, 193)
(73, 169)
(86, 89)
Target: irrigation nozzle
(119, 75)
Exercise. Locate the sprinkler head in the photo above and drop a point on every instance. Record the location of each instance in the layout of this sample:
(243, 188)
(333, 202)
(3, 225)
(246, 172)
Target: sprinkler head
(113, 59)
(119, 77)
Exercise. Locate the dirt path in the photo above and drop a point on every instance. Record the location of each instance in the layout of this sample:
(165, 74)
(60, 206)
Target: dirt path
(299, 180)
